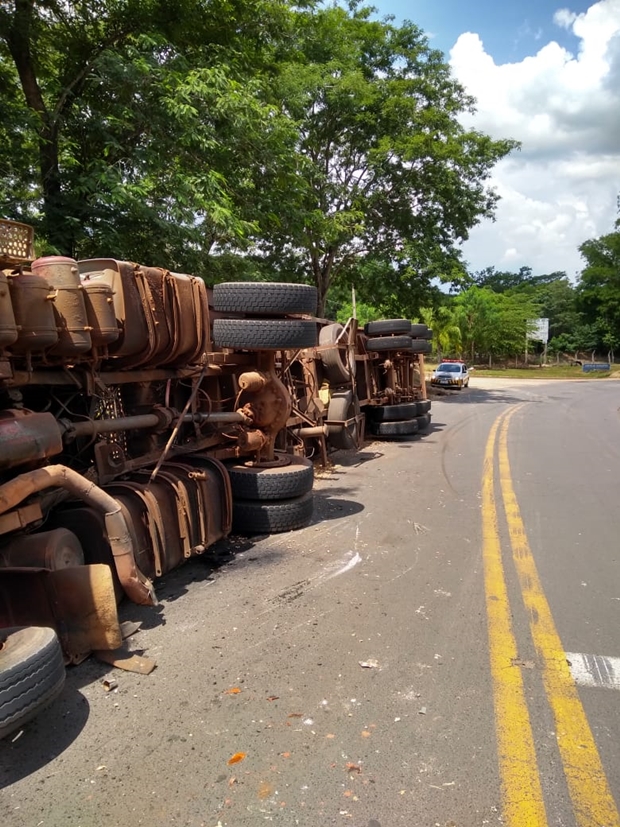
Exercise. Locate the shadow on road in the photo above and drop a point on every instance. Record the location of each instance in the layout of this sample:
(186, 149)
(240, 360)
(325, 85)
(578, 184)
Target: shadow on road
(47, 736)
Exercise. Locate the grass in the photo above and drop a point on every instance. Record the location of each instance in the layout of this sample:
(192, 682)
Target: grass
(535, 372)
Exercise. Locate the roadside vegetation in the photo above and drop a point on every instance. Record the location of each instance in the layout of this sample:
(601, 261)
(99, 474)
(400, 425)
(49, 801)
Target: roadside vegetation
(548, 371)
(267, 139)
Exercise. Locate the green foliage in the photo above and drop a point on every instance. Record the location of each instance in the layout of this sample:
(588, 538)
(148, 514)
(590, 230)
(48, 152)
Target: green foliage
(139, 127)
(242, 139)
(493, 324)
(599, 286)
(390, 180)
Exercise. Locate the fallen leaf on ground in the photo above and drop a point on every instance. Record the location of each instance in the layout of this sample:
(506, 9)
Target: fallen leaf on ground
(238, 756)
(348, 793)
(265, 790)
(353, 767)
(232, 781)
(365, 733)
(234, 691)
(295, 715)
(330, 735)
(273, 698)
(285, 754)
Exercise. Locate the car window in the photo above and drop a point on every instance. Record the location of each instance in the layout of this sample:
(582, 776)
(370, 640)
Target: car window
(450, 368)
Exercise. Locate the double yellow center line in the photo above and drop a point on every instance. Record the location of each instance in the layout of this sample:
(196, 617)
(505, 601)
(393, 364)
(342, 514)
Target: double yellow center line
(523, 803)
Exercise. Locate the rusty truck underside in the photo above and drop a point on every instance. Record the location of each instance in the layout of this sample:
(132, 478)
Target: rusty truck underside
(143, 416)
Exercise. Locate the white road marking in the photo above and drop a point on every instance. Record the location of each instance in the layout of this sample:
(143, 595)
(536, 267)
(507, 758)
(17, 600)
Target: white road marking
(594, 670)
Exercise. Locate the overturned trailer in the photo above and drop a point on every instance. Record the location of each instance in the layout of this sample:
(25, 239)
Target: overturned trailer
(143, 416)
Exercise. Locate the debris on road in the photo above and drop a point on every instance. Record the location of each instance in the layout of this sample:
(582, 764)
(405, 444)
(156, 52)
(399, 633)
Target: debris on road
(238, 756)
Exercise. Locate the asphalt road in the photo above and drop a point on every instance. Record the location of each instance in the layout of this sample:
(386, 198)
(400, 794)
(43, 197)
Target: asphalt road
(416, 656)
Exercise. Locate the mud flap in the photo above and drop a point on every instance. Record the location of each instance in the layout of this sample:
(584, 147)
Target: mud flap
(79, 603)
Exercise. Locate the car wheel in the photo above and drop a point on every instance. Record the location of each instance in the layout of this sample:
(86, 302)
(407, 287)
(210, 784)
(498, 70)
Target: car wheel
(32, 674)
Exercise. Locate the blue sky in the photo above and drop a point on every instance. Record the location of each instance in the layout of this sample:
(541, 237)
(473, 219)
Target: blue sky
(509, 29)
(546, 73)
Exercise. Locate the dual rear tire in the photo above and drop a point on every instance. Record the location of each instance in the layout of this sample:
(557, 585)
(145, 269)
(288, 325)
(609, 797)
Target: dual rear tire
(271, 500)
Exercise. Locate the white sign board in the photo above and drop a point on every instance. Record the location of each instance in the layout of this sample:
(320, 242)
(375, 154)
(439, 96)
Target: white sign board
(538, 330)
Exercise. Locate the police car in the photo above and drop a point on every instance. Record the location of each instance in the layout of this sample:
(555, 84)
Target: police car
(451, 373)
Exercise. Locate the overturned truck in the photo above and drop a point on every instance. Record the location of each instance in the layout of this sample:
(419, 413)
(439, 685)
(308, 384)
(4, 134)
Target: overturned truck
(143, 417)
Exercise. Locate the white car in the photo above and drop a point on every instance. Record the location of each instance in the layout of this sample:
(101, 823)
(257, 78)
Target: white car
(451, 373)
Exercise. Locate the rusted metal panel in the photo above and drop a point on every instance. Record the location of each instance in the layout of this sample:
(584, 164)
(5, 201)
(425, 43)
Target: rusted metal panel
(79, 603)
(31, 297)
(99, 303)
(26, 436)
(62, 275)
(8, 327)
(55, 549)
(128, 305)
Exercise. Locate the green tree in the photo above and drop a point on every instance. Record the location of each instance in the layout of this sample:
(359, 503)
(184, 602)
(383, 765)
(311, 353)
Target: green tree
(446, 331)
(139, 126)
(493, 325)
(598, 290)
(387, 173)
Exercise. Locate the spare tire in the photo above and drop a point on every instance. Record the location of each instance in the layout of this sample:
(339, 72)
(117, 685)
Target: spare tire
(264, 298)
(421, 346)
(423, 406)
(338, 361)
(342, 406)
(32, 674)
(387, 327)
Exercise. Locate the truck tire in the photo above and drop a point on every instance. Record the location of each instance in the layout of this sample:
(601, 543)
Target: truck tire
(264, 334)
(32, 674)
(256, 517)
(385, 343)
(338, 367)
(421, 346)
(392, 413)
(265, 298)
(421, 331)
(423, 406)
(388, 429)
(423, 422)
(280, 483)
(387, 327)
(343, 405)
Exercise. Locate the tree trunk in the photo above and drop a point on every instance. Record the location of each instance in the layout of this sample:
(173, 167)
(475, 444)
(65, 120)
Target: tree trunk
(18, 41)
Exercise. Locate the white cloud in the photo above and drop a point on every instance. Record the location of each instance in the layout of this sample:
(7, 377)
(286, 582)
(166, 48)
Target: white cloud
(561, 188)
